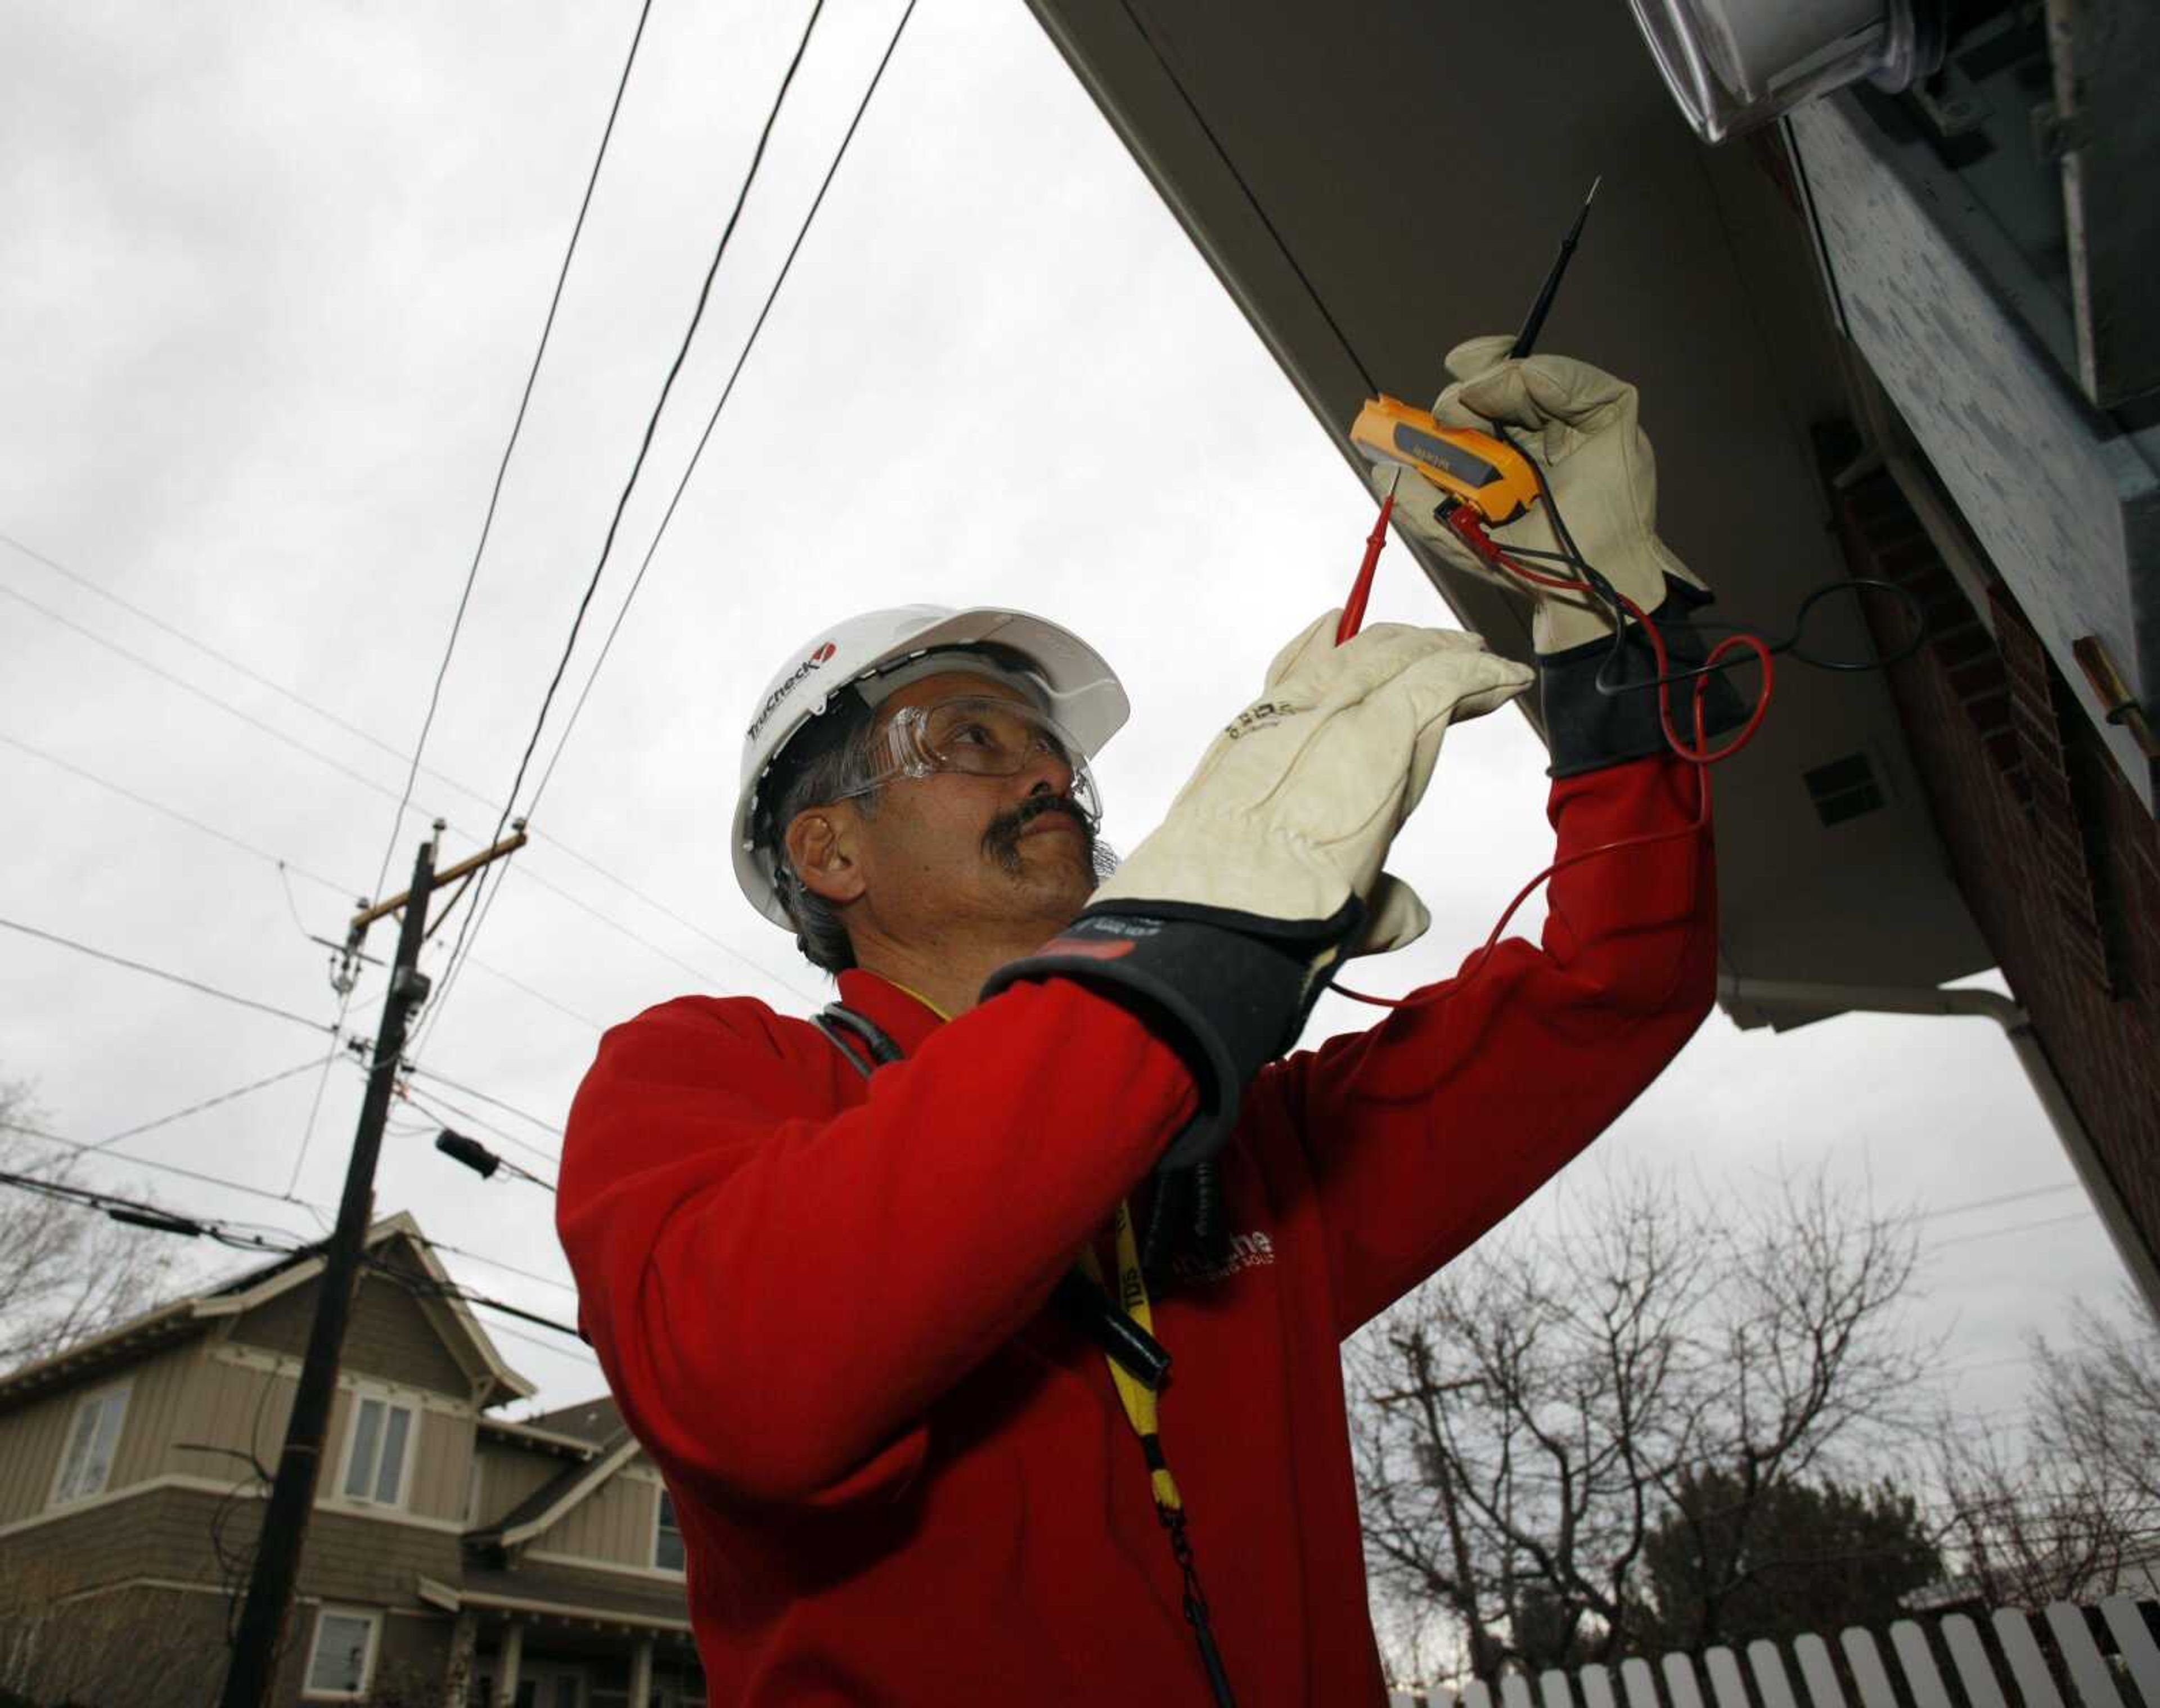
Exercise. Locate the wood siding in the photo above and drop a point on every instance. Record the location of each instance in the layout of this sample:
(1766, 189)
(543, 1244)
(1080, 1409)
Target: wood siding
(613, 1523)
(601, 1592)
(229, 1410)
(438, 1488)
(30, 1442)
(390, 1335)
(166, 1533)
(508, 1474)
(156, 1402)
(436, 1455)
(33, 1436)
(133, 1647)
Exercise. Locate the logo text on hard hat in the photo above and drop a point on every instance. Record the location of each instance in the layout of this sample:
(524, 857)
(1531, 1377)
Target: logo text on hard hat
(816, 660)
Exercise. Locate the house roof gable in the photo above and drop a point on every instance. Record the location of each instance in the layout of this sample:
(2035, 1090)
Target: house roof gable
(255, 1287)
(548, 1505)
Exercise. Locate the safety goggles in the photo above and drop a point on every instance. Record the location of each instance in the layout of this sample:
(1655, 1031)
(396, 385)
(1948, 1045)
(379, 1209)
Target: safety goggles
(974, 736)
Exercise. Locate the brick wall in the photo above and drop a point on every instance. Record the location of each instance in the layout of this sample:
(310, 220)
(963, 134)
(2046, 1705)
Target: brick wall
(2055, 854)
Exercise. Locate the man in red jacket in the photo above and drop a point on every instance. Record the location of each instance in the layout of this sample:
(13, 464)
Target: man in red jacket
(976, 1325)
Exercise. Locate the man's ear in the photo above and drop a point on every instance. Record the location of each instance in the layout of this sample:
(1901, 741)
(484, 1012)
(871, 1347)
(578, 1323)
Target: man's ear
(821, 848)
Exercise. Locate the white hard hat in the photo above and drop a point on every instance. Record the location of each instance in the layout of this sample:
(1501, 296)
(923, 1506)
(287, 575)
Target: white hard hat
(884, 649)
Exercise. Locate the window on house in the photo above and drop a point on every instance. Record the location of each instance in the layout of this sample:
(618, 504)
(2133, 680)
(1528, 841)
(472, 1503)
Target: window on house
(376, 1451)
(667, 1536)
(344, 1654)
(86, 1460)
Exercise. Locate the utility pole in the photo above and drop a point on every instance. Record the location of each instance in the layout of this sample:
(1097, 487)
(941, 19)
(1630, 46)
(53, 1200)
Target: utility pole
(268, 1610)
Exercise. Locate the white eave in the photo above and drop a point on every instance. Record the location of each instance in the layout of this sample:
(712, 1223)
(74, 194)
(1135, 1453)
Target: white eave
(552, 1439)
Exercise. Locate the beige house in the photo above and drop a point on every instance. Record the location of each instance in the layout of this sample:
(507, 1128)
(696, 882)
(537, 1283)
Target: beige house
(455, 1556)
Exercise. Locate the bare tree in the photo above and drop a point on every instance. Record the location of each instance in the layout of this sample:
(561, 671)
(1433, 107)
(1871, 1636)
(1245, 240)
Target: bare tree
(1526, 1421)
(66, 1273)
(136, 1647)
(2073, 1513)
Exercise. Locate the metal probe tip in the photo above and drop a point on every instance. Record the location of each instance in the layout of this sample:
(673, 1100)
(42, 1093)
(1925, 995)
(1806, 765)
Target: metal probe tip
(1526, 339)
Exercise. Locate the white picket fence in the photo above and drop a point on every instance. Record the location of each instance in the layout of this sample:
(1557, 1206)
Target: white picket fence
(2017, 1676)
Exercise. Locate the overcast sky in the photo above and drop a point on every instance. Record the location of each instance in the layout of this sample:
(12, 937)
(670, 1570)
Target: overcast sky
(274, 279)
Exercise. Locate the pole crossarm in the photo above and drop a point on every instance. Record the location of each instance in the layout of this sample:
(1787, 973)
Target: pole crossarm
(449, 874)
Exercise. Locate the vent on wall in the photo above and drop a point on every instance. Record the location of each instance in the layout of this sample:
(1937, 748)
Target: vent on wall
(1843, 789)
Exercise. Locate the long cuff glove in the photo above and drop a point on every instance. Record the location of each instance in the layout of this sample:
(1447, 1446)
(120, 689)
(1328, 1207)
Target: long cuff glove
(1580, 425)
(1219, 928)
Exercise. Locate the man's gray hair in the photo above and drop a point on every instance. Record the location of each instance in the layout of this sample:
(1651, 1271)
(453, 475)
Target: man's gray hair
(825, 761)
(829, 757)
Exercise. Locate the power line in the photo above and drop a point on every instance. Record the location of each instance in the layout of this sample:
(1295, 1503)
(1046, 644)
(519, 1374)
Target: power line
(87, 1196)
(223, 1097)
(347, 980)
(278, 861)
(560, 1286)
(208, 652)
(483, 902)
(493, 1101)
(283, 866)
(582, 858)
(652, 421)
(318, 755)
(173, 813)
(282, 863)
(187, 686)
(711, 423)
(154, 1217)
(516, 426)
(427, 1287)
(468, 1152)
(282, 1014)
(456, 1114)
(579, 1351)
(527, 875)
(567, 1331)
(539, 996)
(726, 392)
(657, 906)
(1998, 1200)
(211, 1179)
(2012, 1227)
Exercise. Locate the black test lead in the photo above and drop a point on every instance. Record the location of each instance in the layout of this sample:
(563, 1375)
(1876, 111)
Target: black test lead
(1527, 337)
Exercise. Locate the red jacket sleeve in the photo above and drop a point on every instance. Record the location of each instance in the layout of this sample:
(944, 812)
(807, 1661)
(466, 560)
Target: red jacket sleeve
(778, 1297)
(1423, 1132)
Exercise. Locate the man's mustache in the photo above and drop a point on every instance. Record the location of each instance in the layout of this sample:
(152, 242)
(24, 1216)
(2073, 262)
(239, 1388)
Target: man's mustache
(1001, 841)
(1004, 835)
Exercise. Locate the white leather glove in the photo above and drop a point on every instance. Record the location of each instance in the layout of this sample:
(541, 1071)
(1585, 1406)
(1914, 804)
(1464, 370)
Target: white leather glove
(1579, 424)
(1220, 926)
(1294, 807)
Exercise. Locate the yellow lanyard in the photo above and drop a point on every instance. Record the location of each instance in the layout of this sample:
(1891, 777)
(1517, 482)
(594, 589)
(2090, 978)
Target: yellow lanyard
(1142, 1406)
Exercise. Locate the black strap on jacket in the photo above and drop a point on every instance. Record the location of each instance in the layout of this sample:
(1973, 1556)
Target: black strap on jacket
(1078, 1300)
(837, 1018)
(1090, 1308)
